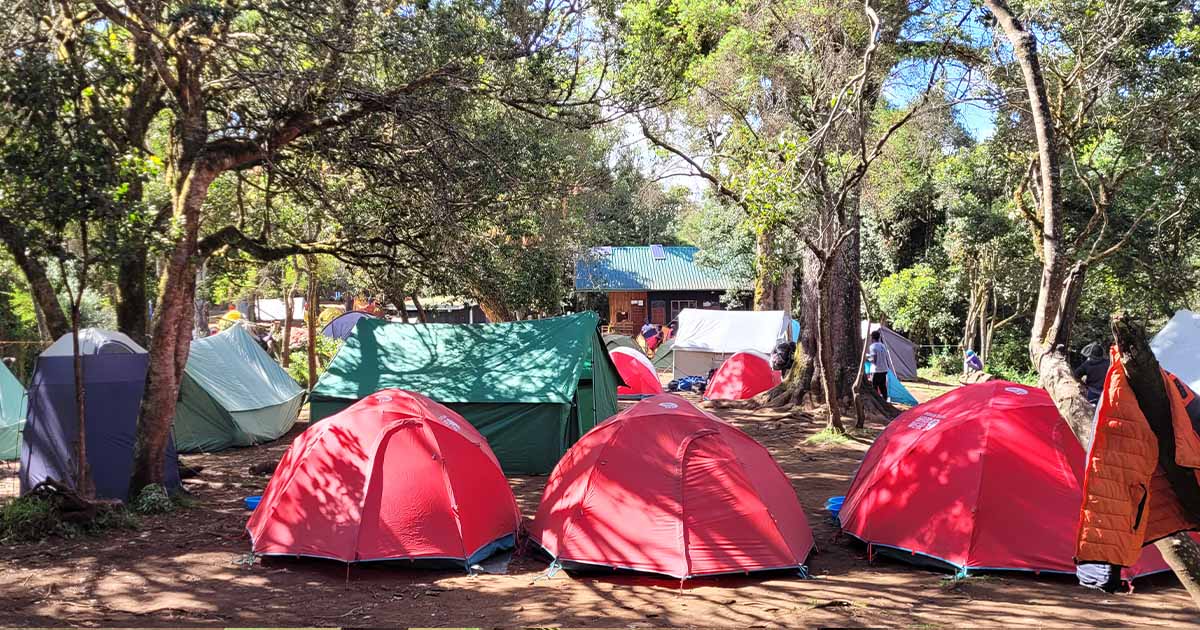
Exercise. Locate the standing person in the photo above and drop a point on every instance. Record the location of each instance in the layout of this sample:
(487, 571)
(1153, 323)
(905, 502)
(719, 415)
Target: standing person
(881, 364)
(273, 338)
(649, 333)
(1093, 371)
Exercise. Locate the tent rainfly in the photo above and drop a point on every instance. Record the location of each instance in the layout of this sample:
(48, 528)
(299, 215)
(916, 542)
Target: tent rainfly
(667, 488)
(114, 377)
(12, 414)
(706, 338)
(1177, 347)
(638, 373)
(233, 394)
(742, 377)
(532, 388)
(395, 476)
(340, 326)
(901, 351)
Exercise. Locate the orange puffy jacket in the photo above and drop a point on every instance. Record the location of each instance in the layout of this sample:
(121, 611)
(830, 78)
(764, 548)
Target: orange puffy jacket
(1127, 500)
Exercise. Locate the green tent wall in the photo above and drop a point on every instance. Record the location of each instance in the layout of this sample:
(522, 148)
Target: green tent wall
(13, 407)
(531, 387)
(233, 394)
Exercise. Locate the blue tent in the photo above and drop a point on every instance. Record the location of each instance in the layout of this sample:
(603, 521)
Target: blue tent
(897, 392)
(343, 324)
(114, 374)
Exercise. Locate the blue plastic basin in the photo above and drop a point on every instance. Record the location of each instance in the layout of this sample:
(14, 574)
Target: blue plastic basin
(252, 502)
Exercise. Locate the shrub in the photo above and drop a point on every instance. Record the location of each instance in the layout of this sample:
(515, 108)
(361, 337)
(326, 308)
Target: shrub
(945, 363)
(40, 515)
(153, 499)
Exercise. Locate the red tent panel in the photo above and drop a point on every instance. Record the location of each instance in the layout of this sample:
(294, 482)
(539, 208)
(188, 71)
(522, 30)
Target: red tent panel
(966, 477)
(1151, 562)
(742, 376)
(394, 476)
(637, 371)
(664, 487)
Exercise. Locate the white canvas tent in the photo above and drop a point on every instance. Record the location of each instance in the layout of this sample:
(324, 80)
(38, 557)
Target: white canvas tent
(902, 352)
(1177, 347)
(706, 338)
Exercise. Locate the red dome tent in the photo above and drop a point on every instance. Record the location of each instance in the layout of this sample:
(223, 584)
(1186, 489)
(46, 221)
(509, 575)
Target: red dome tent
(637, 371)
(395, 476)
(742, 376)
(666, 488)
(986, 477)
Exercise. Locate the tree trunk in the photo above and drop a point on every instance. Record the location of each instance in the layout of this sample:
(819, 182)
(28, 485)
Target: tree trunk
(1053, 269)
(495, 310)
(1141, 367)
(844, 321)
(845, 313)
(400, 306)
(825, 354)
(1054, 366)
(972, 323)
(1182, 554)
(286, 359)
(860, 412)
(773, 282)
(171, 330)
(131, 295)
(45, 298)
(310, 303)
(200, 305)
(421, 316)
(1056, 306)
(83, 471)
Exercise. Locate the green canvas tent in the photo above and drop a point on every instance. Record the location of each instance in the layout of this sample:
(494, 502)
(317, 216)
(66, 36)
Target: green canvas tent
(531, 388)
(13, 407)
(233, 394)
(664, 357)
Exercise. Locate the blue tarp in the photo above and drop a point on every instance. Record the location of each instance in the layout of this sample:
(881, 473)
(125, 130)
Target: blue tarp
(897, 392)
(113, 396)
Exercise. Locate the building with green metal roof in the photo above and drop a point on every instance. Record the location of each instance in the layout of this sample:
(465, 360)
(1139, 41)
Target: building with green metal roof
(651, 282)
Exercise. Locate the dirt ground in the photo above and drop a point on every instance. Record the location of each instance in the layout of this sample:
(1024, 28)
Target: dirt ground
(190, 568)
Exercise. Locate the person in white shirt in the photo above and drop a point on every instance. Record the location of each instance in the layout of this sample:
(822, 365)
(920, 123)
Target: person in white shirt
(881, 364)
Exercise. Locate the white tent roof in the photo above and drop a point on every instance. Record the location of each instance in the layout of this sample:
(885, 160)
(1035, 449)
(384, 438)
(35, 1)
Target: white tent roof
(94, 341)
(271, 309)
(1177, 347)
(730, 331)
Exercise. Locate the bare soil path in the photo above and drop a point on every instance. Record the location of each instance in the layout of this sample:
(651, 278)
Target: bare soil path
(187, 568)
